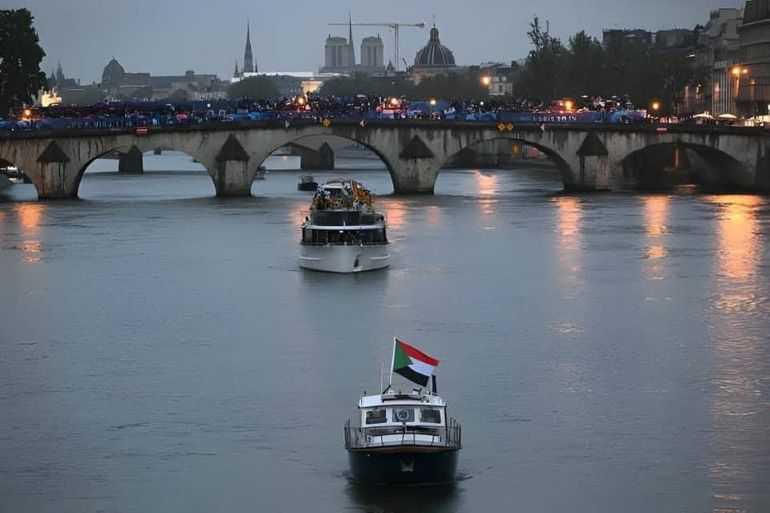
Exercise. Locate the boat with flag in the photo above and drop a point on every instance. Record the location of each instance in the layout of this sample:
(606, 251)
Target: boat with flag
(404, 438)
(343, 232)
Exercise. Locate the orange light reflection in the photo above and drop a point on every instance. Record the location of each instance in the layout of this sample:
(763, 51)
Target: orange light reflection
(486, 184)
(655, 219)
(738, 251)
(30, 216)
(395, 213)
(569, 226)
(737, 349)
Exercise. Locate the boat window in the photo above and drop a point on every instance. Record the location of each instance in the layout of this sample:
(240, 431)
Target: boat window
(376, 416)
(403, 415)
(430, 416)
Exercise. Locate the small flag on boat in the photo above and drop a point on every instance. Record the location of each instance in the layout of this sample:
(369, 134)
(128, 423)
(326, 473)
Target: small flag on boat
(412, 363)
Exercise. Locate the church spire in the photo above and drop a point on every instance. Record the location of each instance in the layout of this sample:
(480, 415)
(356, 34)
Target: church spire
(351, 46)
(237, 72)
(248, 58)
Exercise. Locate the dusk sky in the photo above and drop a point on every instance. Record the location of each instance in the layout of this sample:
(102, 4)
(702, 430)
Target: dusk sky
(171, 36)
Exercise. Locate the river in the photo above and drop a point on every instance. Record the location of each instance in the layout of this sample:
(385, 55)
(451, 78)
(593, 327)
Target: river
(161, 351)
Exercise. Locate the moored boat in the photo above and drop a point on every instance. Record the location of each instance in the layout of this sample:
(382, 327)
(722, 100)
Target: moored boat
(307, 183)
(404, 438)
(343, 233)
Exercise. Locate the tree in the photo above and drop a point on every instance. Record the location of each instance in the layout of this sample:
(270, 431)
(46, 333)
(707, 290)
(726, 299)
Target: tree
(452, 85)
(254, 87)
(584, 67)
(361, 83)
(20, 56)
(541, 78)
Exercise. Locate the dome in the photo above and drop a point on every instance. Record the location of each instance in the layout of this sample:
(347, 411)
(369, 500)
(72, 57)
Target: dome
(113, 74)
(434, 54)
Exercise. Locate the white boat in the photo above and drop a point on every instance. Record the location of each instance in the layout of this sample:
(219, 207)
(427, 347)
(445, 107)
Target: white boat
(343, 233)
(404, 438)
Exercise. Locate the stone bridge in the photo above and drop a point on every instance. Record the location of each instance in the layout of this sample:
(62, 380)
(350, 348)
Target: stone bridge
(588, 157)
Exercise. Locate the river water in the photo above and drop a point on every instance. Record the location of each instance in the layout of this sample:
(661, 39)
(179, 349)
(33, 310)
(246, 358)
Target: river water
(161, 351)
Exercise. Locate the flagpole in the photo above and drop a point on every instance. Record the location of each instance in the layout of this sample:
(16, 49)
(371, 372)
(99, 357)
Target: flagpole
(392, 363)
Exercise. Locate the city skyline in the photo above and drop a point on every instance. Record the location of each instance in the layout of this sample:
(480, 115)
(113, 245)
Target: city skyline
(209, 39)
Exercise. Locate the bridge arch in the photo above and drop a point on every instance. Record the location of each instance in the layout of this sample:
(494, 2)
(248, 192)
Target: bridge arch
(564, 168)
(298, 139)
(144, 148)
(664, 165)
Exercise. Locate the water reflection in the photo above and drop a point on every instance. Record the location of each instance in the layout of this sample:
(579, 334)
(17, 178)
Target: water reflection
(30, 216)
(738, 229)
(740, 409)
(486, 184)
(405, 499)
(395, 211)
(433, 215)
(569, 225)
(655, 226)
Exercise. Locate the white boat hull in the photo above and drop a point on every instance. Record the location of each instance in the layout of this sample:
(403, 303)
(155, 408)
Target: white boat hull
(344, 259)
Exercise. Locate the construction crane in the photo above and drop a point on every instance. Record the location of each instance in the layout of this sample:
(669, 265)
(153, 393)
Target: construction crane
(391, 25)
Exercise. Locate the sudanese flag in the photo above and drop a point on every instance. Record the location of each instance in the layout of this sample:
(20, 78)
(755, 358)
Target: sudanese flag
(412, 363)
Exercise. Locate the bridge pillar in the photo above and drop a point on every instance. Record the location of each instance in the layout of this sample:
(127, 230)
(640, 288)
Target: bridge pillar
(762, 173)
(321, 160)
(593, 166)
(231, 172)
(54, 181)
(416, 169)
(131, 161)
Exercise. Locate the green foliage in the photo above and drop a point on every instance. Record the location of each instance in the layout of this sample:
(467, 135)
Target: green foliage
(466, 84)
(585, 67)
(543, 74)
(254, 87)
(453, 85)
(364, 84)
(20, 57)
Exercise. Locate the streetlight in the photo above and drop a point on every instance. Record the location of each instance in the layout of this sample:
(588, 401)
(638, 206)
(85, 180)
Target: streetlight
(433, 102)
(655, 106)
(486, 80)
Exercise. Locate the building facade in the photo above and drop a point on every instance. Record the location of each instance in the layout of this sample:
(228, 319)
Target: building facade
(117, 84)
(753, 61)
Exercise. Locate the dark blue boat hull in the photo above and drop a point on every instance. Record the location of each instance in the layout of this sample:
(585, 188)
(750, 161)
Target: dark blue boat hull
(404, 466)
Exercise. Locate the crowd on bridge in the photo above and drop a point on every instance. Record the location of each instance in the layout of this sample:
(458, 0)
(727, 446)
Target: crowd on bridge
(315, 107)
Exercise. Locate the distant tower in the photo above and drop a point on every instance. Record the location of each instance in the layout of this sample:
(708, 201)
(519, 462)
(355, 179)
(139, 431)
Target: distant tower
(248, 58)
(372, 53)
(59, 75)
(237, 72)
(351, 47)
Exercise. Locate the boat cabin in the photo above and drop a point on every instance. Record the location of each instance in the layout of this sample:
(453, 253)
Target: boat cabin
(413, 409)
(392, 419)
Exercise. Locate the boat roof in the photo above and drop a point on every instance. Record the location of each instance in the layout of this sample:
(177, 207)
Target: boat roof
(396, 399)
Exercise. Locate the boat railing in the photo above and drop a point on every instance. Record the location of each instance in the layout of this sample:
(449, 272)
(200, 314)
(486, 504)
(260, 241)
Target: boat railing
(344, 243)
(449, 436)
(345, 217)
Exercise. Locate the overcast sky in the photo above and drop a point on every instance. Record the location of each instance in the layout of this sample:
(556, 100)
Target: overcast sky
(171, 36)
